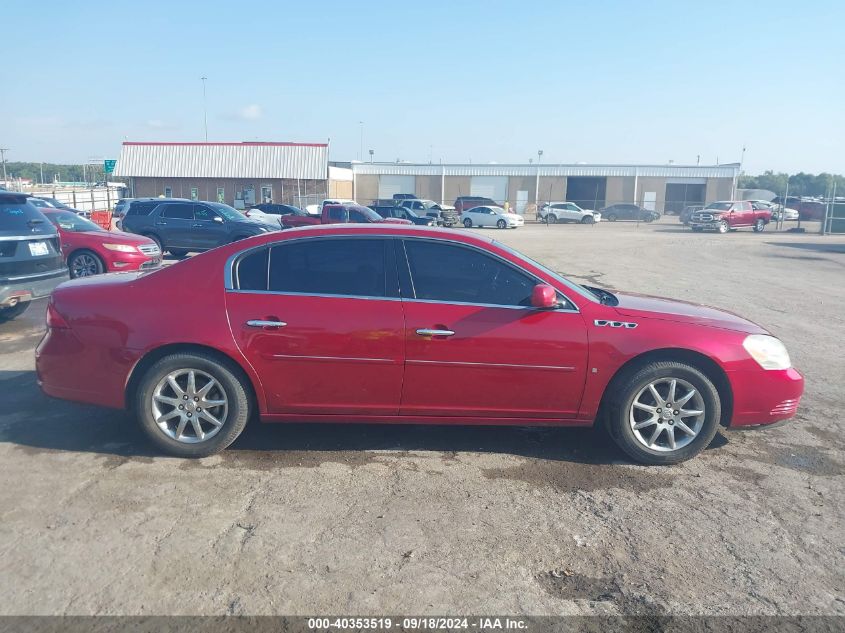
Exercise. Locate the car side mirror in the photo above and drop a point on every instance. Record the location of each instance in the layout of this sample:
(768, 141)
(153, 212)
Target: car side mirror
(544, 297)
(218, 219)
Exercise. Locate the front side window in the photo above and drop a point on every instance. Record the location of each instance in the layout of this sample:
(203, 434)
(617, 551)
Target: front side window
(351, 267)
(203, 213)
(457, 274)
(178, 211)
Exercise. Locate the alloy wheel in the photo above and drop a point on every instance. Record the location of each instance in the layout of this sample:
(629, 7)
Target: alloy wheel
(84, 265)
(189, 405)
(667, 414)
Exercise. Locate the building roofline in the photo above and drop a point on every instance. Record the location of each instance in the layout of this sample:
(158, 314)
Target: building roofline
(229, 144)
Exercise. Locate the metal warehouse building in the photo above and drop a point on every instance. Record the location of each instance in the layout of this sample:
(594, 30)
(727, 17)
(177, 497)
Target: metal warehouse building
(659, 187)
(238, 174)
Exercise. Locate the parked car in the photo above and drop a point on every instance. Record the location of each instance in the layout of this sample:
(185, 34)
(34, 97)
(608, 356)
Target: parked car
(445, 215)
(405, 325)
(624, 211)
(89, 249)
(142, 206)
(729, 215)
(683, 216)
(31, 262)
(395, 211)
(462, 203)
(404, 196)
(183, 226)
(491, 216)
(340, 214)
(271, 214)
(120, 207)
(52, 203)
(556, 212)
(787, 213)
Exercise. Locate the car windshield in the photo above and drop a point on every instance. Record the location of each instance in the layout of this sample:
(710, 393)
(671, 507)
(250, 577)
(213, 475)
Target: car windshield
(719, 206)
(368, 213)
(69, 221)
(226, 211)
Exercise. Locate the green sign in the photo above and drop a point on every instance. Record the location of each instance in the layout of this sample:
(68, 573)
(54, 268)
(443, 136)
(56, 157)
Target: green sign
(108, 166)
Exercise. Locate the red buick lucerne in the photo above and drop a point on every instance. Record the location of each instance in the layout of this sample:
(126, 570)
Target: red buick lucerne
(395, 324)
(91, 250)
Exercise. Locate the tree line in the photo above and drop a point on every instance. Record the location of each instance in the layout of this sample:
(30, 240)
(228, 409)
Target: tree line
(53, 172)
(800, 184)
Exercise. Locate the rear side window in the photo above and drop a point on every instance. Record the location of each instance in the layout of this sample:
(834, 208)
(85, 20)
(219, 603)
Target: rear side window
(338, 214)
(455, 274)
(141, 208)
(178, 211)
(252, 270)
(351, 267)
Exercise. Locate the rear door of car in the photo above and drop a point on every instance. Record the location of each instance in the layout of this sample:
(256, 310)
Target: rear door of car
(173, 223)
(321, 321)
(474, 346)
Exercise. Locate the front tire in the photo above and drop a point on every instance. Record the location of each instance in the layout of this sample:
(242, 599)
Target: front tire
(85, 264)
(663, 412)
(759, 225)
(611, 217)
(551, 218)
(192, 404)
(502, 224)
(468, 223)
(588, 219)
(178, 253)
(723, 227)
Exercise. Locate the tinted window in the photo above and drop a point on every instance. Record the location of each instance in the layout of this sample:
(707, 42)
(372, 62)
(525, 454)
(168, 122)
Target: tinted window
(20, 216)
(445, 272)
(338, 214)
(141, 208)
(69, 221)
(252, 271)
(178, 211)
(203, 213)
(334, 266)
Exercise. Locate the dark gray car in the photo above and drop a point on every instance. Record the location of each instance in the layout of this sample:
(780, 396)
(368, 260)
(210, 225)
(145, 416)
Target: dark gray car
(31, 262)
(183, 226)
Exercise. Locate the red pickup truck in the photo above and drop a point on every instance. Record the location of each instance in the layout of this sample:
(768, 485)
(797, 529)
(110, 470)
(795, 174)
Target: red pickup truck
(728, 215)
(339, 214)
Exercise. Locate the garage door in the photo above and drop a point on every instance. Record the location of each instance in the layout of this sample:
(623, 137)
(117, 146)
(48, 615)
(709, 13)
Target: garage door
(493, 187)
(390, 185)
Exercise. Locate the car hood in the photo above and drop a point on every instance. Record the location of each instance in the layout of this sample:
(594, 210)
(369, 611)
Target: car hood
(636, 305)
(115, 237)
(396, 221)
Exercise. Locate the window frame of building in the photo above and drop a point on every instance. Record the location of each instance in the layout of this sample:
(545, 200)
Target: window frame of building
(221, 195)
(168, 192)
(195, 193)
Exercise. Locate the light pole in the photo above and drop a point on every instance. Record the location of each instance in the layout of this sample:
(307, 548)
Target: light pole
(539, 156)
(371, 156)
(3, 151)
(361, 146)
(204, 109)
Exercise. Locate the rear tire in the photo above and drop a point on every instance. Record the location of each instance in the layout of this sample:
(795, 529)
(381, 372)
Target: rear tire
(611, 217)
(12, 312)
(468, 223)
(178, 253)
(162, 420)
(640, 423)
(155, 239)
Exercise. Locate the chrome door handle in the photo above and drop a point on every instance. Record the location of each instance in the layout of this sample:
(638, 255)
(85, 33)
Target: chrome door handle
(260, 323)
(426, 332)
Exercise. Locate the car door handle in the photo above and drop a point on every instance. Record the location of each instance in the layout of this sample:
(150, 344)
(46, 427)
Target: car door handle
(427, 332)
(260, 323)
(197, 225)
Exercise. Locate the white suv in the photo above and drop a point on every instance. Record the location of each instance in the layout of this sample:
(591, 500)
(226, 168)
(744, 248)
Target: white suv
(568, 212)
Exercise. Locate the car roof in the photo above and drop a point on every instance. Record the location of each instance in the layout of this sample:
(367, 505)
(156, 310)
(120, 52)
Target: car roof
(397, 230)
(164, 200)
(13, 196)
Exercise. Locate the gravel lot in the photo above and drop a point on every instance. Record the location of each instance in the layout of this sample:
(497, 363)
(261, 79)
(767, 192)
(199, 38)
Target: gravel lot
(320, 519)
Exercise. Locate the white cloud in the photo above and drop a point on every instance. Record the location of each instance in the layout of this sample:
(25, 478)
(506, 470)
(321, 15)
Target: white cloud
(250, 112)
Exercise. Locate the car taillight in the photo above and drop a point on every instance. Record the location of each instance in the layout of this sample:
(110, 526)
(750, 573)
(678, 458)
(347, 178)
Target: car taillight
(55, 320)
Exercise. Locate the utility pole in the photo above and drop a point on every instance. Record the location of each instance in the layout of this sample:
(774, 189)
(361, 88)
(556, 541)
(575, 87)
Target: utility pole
(361, 148)
(3, 151)
(204, 109)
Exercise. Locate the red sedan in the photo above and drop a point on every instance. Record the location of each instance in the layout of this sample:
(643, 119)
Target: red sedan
(401, 324)
(91, 250)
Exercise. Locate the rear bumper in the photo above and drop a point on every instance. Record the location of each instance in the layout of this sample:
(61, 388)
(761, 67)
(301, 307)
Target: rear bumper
(764, 397)
(13, 291)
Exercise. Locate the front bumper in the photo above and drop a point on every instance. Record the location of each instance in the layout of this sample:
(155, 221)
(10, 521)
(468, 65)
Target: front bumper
(707, 226)
(17, 290)
(765, 396)
(132, 261)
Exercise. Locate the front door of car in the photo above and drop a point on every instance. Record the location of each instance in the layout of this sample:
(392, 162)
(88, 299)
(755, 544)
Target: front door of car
(321, 322)
(562, 212)
(480, 216)
(209, 228)
(738, 215)
(474, 347)
(173, 223)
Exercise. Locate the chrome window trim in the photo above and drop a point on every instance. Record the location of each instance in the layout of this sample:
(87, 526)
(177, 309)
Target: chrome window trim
(308, 294)
(228, 271)
(23, 238)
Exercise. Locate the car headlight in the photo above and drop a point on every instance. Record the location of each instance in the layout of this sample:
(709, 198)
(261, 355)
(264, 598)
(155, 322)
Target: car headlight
(122, 248)
(768, 351)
